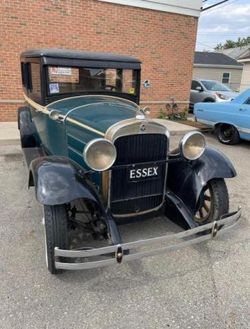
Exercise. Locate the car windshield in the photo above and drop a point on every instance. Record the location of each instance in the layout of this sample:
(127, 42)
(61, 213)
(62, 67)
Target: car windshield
(215, 86)
(64, 80)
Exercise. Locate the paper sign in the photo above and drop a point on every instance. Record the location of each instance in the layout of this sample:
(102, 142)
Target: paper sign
(54, 88)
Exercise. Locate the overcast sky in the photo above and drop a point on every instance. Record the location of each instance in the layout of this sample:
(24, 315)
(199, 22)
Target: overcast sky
(227, 21)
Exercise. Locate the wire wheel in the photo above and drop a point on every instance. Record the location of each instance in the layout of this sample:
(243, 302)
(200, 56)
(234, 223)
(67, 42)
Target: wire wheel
(205, 210)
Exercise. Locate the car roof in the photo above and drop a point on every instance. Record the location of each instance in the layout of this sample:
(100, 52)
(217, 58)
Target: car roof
(206, 80)
(77, 54)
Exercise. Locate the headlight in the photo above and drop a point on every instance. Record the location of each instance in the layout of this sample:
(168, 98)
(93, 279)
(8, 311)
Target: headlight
(192, 145)
(221, 96)
(99, 154)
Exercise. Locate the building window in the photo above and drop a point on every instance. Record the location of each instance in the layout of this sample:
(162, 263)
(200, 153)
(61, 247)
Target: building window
(226, 78)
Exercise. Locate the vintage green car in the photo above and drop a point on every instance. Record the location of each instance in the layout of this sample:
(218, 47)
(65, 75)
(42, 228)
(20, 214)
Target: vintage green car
(96, 161)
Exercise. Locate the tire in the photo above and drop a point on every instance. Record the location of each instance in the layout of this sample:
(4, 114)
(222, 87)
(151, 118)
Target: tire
(227, 134)
(213, 202)
(208, 100)
(56, 233)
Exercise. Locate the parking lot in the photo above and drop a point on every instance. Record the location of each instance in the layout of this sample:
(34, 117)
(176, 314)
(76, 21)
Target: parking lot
(204, 286)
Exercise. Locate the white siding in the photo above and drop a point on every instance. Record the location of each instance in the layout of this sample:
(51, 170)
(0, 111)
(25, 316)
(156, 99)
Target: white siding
(184, 7)
(245, 80)
(217, 73)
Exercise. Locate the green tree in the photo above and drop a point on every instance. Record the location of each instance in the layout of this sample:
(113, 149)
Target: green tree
(233, 44)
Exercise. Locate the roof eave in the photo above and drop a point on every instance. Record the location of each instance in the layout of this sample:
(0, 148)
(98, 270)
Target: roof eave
(218, 66)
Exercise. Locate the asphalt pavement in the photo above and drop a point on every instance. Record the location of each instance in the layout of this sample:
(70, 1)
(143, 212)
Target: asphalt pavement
(204, 286)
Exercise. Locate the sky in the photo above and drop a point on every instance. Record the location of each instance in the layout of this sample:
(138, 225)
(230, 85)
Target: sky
(227, 21)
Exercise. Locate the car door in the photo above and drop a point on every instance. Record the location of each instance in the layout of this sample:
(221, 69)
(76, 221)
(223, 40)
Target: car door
(196, 95)
(242, 118)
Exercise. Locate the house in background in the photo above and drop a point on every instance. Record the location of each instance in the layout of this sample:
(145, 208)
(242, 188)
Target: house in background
(237, 52)
(245, 79)
(217, 66)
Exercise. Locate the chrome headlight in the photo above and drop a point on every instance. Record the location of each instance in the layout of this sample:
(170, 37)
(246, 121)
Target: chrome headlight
(99, 154)
(192, 145)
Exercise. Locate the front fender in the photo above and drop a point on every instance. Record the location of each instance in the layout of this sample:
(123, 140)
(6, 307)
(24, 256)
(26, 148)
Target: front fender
(58, 180)
(187, 178)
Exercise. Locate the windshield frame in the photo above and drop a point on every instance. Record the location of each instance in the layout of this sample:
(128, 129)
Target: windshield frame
(118, 81)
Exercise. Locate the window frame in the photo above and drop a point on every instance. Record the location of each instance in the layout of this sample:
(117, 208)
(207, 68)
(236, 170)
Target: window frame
(229, 78)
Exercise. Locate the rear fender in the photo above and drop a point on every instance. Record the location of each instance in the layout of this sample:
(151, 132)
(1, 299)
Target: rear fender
(58, 180)
(186, 179)
(28, 134)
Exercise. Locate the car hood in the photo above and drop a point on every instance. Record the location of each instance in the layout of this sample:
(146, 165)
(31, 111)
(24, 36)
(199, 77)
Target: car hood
(97, 112)
(229, 94)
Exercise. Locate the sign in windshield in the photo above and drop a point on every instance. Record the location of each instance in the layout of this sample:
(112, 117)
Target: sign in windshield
(64, 80)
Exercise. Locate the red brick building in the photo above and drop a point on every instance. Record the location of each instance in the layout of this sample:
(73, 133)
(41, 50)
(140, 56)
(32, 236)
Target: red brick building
(161, 33)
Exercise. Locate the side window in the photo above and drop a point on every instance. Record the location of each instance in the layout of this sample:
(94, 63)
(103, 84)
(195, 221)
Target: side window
(195, 84)
(25, 69)
(226, 78)
(247, 101)
(35, 85)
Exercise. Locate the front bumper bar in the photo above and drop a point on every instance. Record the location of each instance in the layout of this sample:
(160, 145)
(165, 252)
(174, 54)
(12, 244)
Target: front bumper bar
(116, 254)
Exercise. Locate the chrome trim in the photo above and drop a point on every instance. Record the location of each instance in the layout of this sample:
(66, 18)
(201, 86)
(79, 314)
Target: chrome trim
(185, 139)
(244, 130)
(36, 106)
(126, 128)
(173, 241)
(92, 142)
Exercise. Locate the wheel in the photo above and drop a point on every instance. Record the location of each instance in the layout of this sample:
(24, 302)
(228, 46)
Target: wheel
(227, 134)
(56, 233)
(208, 100)
(213, 202)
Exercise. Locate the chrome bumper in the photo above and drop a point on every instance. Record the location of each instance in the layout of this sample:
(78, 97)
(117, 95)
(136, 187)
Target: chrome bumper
(116, 254)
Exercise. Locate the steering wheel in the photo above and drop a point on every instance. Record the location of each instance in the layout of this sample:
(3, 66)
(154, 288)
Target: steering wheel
(111, 87)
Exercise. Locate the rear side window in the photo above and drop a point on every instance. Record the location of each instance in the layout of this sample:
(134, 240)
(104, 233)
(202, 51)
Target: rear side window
(25, 69)
(35, 86)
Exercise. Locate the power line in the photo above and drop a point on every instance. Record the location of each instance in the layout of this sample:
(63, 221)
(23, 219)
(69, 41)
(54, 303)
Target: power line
(214, 5)
(225, 33)
(226, 4)
(203, 44)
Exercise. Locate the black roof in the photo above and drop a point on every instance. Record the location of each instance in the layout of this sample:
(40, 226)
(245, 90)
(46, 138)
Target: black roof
(213, 58)
(77, 54)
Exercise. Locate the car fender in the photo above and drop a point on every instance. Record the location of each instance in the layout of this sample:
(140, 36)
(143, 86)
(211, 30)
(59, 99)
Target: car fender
(28, 134)
(58, 180)
(187, 178)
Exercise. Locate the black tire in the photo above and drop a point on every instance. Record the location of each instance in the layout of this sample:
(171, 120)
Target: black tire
(208, 100)
(213, 202)
(56, 233)
(227, 134)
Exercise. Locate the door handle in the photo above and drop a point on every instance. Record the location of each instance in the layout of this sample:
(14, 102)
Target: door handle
(242, 110)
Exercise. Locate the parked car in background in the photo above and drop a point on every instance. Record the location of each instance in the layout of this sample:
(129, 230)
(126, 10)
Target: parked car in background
(210, 91)
(231, 120)
(96, 161)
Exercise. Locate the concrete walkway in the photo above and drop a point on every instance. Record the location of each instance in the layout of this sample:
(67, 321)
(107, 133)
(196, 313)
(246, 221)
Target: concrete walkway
(9, 133)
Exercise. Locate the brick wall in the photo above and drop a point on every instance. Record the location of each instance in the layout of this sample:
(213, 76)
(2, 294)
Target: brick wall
(163, 41)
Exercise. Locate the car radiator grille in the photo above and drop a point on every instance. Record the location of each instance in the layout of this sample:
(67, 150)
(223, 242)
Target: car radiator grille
(133, 197)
